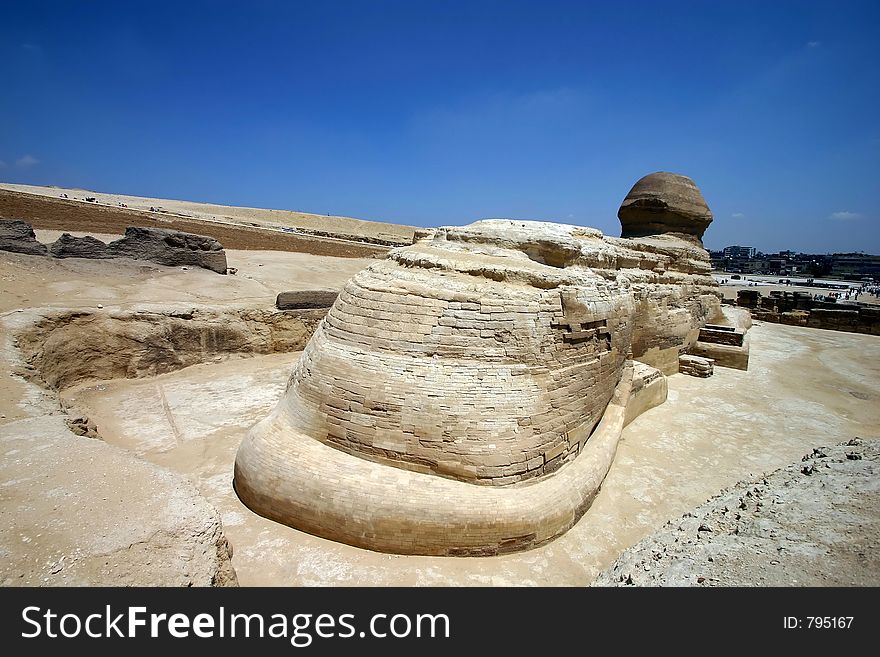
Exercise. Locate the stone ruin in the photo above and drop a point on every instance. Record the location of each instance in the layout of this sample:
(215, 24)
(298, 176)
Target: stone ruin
(162, 246)
(465, 395)
(801, 309)
(696, 366)
(19, 237)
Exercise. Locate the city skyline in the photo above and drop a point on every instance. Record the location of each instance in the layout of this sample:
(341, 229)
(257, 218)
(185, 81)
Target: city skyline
(760, 252)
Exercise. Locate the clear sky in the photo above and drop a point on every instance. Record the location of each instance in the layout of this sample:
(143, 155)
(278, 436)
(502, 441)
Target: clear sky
(432, 113)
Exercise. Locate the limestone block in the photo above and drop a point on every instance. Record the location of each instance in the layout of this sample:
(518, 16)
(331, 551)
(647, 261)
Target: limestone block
(300, 299)
(728, 335)
(696, 366)
(748, 298)
(723, 355)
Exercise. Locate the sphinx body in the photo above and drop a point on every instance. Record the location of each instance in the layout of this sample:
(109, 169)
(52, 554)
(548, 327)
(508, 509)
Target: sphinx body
(465, 395)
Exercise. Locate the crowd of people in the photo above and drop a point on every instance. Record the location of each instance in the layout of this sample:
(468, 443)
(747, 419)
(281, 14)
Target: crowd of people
(851, 293)
(867, 288)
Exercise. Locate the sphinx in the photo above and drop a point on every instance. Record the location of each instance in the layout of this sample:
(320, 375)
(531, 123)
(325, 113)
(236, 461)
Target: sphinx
(465, 395)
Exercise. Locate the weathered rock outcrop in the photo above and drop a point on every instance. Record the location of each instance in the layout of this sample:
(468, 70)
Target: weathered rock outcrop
(783, 529)
(303, 299)
(664, 202)
(170, 247)
(674, 295)
(66, 347)
(62, 497)
(492, 354)
(68, 246)
(18, 237)
(67, 520)
(493, 346)
(164, 247)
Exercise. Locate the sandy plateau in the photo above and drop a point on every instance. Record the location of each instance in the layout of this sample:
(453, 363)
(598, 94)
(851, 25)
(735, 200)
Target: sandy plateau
(804, 388)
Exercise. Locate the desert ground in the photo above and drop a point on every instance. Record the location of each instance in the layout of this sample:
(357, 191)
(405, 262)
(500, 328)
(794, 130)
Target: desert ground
(804, 388)
(322, 224)
(236, 228)
(812, 523)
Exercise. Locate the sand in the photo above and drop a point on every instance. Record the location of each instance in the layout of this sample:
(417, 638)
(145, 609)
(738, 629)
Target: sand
(233, 214)
(805, 387)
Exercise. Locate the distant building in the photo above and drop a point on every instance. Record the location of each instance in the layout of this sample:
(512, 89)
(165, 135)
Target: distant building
(745, 252)
(746, 260)
(855, 265)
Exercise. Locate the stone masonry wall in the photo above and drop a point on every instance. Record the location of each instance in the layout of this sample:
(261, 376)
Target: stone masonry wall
(487, 383)
(486, 354)
(862, 320)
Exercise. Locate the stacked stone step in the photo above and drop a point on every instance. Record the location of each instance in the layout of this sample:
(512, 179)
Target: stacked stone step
(714, 334)
(748, 298)
(696, 366)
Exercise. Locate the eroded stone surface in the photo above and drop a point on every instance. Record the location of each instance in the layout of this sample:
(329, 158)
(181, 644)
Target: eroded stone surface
(708, 435)
(664, 202)
(62, 499)
(87, 512)
(485, 354)
(170, 247)
(67, 347)
(75, 510)
(649, 389)
(68, 246)
(164, 247)
(18, 237)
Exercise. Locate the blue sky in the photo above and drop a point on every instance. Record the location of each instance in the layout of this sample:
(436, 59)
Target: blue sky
(434, 113)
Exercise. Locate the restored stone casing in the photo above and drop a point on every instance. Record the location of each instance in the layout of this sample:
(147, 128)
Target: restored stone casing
(427, 362)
